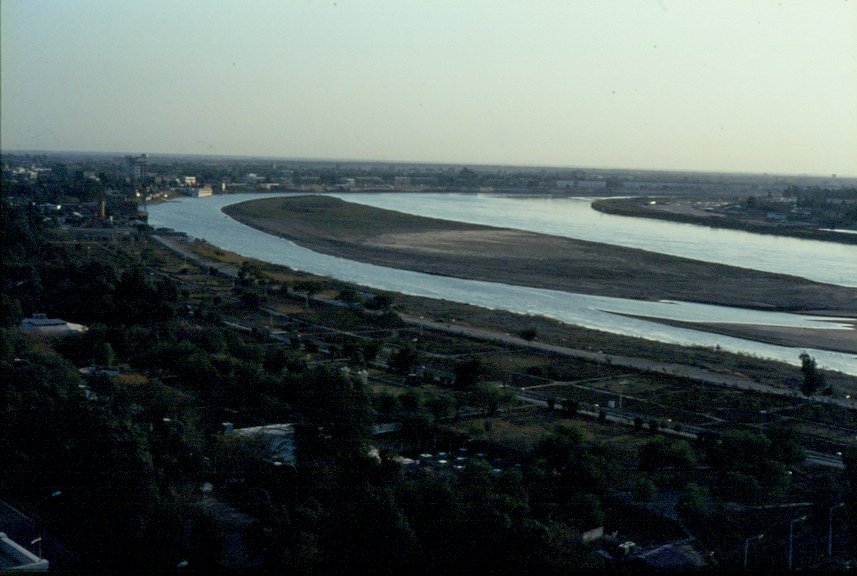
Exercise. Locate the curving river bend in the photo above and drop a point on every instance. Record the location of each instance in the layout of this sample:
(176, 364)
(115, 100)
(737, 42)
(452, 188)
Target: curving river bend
(203, 218)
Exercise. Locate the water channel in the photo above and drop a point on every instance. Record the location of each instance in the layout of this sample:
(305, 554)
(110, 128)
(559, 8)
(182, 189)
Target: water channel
(203, 218)
(572, 217)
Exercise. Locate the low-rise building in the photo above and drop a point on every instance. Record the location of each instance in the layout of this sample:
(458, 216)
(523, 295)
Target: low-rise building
(200, 192)
(280, 439)
(42, 325)
(16, 558)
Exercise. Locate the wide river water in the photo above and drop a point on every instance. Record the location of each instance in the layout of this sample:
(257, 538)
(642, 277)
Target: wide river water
(571, 217)
(203, 218)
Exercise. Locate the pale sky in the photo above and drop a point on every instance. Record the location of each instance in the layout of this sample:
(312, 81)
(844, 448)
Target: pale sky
(743, 85)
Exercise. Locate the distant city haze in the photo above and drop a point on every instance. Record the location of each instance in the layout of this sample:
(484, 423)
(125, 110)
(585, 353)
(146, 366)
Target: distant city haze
(745, 86)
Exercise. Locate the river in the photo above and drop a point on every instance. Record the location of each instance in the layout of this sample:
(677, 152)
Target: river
(203, 218)
(826, 262)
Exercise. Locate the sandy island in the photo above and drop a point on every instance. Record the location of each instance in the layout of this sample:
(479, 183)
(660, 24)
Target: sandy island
(388, 238)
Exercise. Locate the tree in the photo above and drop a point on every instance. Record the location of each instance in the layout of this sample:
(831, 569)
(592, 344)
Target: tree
(487, 396)
(250, 299)
(402, 361)
(350, 297)
(309, 288)
(467, 373)
(249, 274)
(660, 452)
(370, 350)
(528, 334)
(644, 489)
(379, 302)
(785, 445)
(692, 506)
(813, 380)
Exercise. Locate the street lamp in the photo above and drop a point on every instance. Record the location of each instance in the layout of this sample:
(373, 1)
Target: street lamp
(747, 546)
(791, 538)
(830, 527)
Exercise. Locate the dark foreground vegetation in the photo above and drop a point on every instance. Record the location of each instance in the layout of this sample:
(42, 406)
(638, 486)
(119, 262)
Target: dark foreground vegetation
(126, 465)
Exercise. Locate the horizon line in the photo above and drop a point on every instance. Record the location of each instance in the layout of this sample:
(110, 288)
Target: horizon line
(835, 175)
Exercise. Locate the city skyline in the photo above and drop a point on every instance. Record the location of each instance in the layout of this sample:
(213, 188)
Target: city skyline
(759, 87)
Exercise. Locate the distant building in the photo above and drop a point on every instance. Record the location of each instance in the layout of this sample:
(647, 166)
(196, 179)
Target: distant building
(201, 192)
(137, 168)
(581, 184)
(41, 324)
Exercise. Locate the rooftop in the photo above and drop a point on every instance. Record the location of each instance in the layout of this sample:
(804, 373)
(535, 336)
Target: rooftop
(15, 557)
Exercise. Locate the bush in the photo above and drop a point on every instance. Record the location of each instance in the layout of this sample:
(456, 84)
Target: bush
(528, 334)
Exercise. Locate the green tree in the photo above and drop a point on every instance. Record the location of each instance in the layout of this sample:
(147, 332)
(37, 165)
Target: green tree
(379, 302)
(692, 506)
(785, 445)
(370, 349)
(488, 397)
(644, 489)
(660, 452)
(309, 288)
(349, 296)
(813, 380)
(467, 373)
(528, 334)
(404, 360)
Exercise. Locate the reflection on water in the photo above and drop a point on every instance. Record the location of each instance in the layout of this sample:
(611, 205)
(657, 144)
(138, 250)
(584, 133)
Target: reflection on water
(202, 218)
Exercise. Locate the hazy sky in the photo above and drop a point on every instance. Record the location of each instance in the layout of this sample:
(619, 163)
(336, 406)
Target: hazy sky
(744, 85)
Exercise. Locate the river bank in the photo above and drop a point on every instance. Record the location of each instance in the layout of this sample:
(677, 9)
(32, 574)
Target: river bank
(642, 207)
(836, 340)
(387, 238)
(392, 239)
